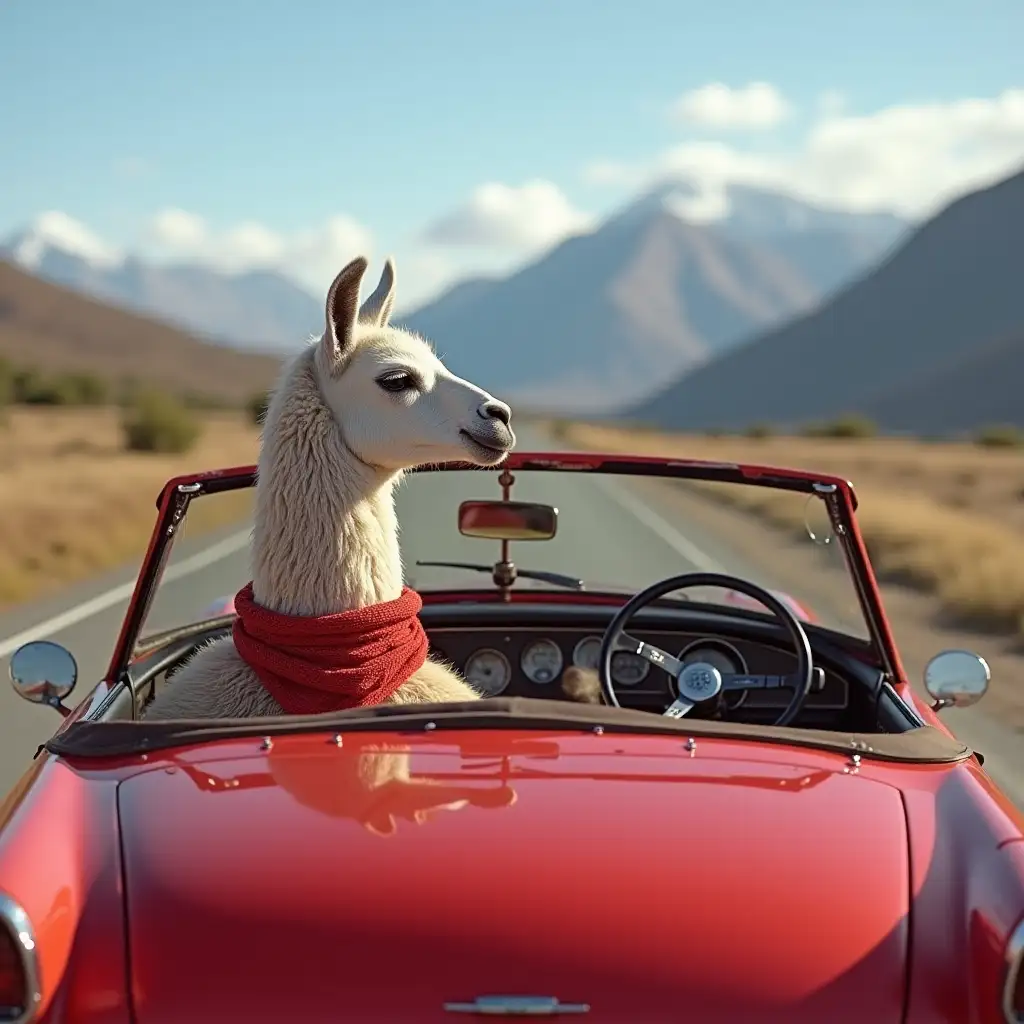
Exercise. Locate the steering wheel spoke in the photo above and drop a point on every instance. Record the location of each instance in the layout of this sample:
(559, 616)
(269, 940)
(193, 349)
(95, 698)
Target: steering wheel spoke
(678, 708)
(655, 655)
(762, 682)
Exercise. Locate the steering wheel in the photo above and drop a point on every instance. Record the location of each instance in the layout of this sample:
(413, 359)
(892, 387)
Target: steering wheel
(699, 681)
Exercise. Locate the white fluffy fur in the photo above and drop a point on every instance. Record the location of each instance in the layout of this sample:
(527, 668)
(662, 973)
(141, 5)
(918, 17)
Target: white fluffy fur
(335, 442)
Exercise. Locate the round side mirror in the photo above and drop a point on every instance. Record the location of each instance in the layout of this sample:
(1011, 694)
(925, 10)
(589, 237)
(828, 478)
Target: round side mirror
(43, 672)
(957, 678)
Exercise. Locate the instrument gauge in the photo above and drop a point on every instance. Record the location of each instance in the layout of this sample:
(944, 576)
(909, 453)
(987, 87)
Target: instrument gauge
(587, 653)
(723, 656)
(541, 662)
(629, 669)
(489, 671)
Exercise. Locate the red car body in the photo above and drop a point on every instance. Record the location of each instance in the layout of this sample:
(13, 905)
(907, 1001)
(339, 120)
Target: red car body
(682, 872)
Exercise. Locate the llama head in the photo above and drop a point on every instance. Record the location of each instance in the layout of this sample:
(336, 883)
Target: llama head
(397, 404)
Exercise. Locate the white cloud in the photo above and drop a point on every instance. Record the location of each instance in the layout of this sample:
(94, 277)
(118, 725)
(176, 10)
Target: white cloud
(528, 217)
(312, 256)
(912, 158)
(178, 229)
(58, 230)
(757, 106)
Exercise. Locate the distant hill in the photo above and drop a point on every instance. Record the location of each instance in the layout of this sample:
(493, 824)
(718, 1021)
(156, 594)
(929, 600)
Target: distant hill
(259, 310)
(49, 327)
(605, 317)
(984, 387)
(923, 343)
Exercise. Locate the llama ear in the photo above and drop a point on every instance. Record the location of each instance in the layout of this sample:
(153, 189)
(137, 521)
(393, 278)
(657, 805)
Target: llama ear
(342, 304)
(376, 310)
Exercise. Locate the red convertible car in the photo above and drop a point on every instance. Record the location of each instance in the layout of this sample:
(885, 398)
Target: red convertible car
(756, 819)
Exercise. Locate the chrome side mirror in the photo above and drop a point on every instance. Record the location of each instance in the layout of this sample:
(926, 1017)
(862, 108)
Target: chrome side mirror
(956, 679)
(43, 672)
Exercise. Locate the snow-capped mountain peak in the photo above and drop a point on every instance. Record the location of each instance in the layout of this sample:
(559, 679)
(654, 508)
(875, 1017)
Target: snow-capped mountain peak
(57, 231)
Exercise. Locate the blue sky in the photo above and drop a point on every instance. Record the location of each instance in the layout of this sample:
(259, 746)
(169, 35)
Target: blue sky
(282, 115)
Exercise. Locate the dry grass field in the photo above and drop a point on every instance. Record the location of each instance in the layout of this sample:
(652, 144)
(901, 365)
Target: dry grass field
(945, 519)
(73, 502)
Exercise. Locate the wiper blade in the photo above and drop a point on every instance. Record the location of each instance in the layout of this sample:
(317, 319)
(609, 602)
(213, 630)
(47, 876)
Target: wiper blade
(554, 578)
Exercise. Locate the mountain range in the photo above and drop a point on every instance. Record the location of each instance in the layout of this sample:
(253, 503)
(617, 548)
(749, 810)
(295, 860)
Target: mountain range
(601, 320)
(770, 311)
(930, 342)
(605, 318)
(49, 328)
(260, 310)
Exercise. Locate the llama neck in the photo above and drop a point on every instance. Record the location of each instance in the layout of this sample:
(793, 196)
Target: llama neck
(325, 538)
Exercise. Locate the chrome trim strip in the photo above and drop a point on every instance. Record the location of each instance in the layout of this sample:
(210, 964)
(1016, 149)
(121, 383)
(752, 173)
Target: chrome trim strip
(14, 919)
(908, 709)
(1014, 965)
(517, 1006)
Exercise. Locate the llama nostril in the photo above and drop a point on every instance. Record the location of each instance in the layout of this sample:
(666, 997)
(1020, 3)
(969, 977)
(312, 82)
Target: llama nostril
(495, 411)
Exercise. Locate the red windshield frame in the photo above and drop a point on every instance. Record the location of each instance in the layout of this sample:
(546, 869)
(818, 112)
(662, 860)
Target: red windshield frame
(838, 493)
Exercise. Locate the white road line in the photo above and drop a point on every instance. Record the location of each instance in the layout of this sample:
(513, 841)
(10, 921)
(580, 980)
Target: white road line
(200, 560)
(665, 530)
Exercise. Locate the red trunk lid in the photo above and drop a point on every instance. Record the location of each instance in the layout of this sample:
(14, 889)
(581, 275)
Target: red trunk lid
(314, 882)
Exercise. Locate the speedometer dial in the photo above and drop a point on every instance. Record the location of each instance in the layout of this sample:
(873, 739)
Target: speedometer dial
(489, 671)
(723, 656)
(587, 653)
(629, 669)
(541, 661)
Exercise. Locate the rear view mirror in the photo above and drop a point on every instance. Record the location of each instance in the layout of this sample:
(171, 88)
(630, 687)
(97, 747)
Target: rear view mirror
(507, 520)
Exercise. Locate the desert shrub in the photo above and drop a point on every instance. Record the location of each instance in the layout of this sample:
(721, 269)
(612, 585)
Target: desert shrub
(157, 422)
(207, 402)
(6, 382)
(127, 391)
(257, 407)
(34, 388)
(31, 387)
(27, 385)
(760, 430)
(86, 389)
(1000, 435)
(850, 426)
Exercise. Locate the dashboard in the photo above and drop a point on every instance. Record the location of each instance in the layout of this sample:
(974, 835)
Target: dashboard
(518, 660)
(521, 648)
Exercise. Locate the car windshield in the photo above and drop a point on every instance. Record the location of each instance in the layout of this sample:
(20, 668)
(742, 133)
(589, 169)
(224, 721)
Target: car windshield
(614, 532)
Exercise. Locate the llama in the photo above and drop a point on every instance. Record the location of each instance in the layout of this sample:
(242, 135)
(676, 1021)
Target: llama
(349, 414)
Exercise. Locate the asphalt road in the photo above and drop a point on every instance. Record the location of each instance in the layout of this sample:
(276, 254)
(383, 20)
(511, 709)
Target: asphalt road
(608, 534)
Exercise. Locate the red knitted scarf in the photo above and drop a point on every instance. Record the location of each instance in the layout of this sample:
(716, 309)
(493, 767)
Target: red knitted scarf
(313, 664)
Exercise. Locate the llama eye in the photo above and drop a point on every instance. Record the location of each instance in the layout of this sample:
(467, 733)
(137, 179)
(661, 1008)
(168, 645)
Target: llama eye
(396, 382)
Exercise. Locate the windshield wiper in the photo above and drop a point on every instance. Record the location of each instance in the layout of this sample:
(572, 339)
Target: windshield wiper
(556, 579)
